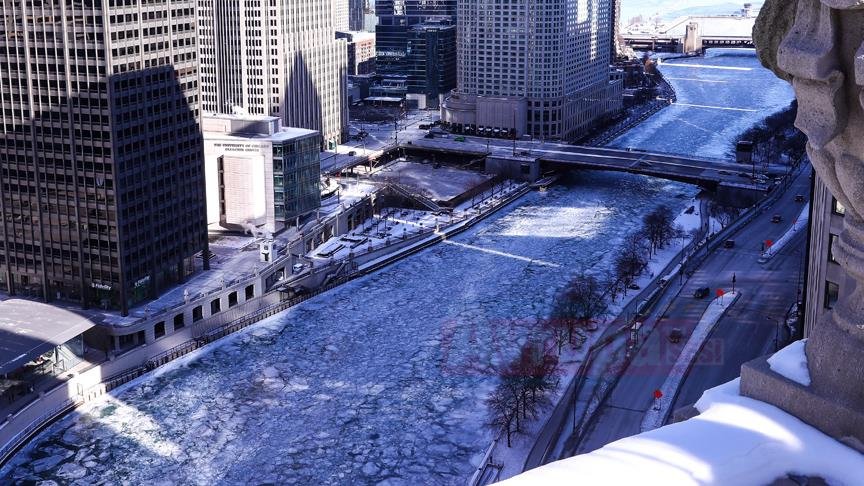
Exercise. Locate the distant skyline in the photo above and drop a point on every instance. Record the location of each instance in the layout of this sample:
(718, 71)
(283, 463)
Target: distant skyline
(672, 8)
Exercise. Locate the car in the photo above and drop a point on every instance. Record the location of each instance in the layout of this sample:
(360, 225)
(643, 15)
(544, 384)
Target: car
(776, 218)
(724, 172)
(701, 292)
(459, 139)
(729, 244)
(799, 197)
(524, 152)
(633, 286)
(297, 268)
(424, 126)
(429, 135)
(675, 335)
(352, 153)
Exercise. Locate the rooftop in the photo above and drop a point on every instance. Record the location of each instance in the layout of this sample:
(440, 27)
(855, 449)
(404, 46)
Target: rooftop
(29, 329)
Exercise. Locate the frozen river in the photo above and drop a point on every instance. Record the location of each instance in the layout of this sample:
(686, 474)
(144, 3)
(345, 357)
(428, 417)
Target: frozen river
(381, 380)
(719, 97)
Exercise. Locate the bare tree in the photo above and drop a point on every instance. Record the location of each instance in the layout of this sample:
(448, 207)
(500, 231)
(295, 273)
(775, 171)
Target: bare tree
(725, 215)
(630, 263)
(558, 329)
(658, 226)
(584, 301)
(502, 408)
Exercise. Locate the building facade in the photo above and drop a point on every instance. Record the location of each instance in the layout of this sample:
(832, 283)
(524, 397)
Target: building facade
(258, 173)
(356, 14)
(395, 19)
(825, 276)
(361, 52)
(101, 163)
(340, 10)
(430, 62)
(532, 68)
(276, 58)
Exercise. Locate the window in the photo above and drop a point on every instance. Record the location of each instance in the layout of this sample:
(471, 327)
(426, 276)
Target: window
(837, 208)
(197, 314)
(832, 238)
(832, 290)
(250, 291)
(178, 322)
(232, 299)
(215, 306)
(159, 329)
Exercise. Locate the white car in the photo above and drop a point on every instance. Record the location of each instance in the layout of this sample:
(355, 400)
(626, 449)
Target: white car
(297, 268)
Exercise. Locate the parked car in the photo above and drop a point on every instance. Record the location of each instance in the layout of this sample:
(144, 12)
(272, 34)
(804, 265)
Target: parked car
(799, 197)
(729, 244)
(352, 153)
(701, 292)
(297, 268)
(675, 335)
(776, 218)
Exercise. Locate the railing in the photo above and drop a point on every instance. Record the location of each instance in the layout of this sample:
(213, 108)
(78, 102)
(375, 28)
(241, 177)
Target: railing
(21, 438)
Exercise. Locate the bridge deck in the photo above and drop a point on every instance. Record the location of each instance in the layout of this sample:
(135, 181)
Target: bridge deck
(681, 168)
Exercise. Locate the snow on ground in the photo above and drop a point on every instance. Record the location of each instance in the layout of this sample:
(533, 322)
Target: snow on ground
(800, 224)
(735, 440)
(381, 379)
(655, 416)
(699, 123)
(441, 183)
(791, 362)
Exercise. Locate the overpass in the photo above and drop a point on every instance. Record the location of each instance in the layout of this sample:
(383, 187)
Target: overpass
(734, 179)
(709, 31)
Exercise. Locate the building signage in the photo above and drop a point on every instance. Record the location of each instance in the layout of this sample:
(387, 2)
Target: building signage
(142, 281)
(238, 147)
(100, 286)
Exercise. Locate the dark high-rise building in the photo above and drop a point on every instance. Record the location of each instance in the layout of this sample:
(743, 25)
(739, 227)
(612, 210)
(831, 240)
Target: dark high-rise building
(101, 163)
(395, 19)
(430, 62)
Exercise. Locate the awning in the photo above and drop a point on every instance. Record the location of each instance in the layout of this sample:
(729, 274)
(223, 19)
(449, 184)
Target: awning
(29, 329)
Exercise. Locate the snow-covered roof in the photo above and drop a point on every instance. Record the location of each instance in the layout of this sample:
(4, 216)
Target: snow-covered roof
(29, 329)
(735, 440)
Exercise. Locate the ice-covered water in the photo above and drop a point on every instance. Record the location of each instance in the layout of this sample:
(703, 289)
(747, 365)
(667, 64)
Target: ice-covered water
(380, 379)
(719, 97)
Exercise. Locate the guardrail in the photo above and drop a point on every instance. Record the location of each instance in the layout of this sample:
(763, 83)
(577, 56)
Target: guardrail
(11, 447)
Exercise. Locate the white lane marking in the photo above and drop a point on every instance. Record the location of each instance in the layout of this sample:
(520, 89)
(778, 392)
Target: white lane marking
(706, 66)
(715, 107)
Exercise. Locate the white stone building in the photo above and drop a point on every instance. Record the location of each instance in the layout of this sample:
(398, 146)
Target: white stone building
(258, 173)
(278, 58)
(537, 68)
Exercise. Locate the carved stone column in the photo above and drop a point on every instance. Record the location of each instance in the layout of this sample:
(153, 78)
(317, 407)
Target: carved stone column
(819, 46)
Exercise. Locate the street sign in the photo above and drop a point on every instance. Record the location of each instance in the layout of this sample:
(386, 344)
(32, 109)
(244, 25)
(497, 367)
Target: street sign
(658, 394)
(721, 292)
(768, 243)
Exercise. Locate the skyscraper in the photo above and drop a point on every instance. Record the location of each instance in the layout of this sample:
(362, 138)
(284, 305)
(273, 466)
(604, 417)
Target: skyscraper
(278, 58)
(341, 13)
(538, 67)
(356, 14)
(101, 164)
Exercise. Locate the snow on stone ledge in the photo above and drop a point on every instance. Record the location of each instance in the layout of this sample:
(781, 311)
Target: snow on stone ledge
(735, 440)
(791, 362)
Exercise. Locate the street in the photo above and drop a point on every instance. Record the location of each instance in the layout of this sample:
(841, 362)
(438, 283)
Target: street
(747, 331)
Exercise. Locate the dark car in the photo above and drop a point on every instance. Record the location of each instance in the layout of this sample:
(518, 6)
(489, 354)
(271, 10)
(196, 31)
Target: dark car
(352, 153)
(701, 292)
(429, 135)
(799, 197)
(729, 244)
(675, 335)
(776, 218)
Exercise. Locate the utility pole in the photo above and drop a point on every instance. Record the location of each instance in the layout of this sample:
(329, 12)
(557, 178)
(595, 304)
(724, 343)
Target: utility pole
(733, 282)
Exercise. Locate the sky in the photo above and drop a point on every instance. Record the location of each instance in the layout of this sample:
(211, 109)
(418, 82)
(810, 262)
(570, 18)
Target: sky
(673, 8)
